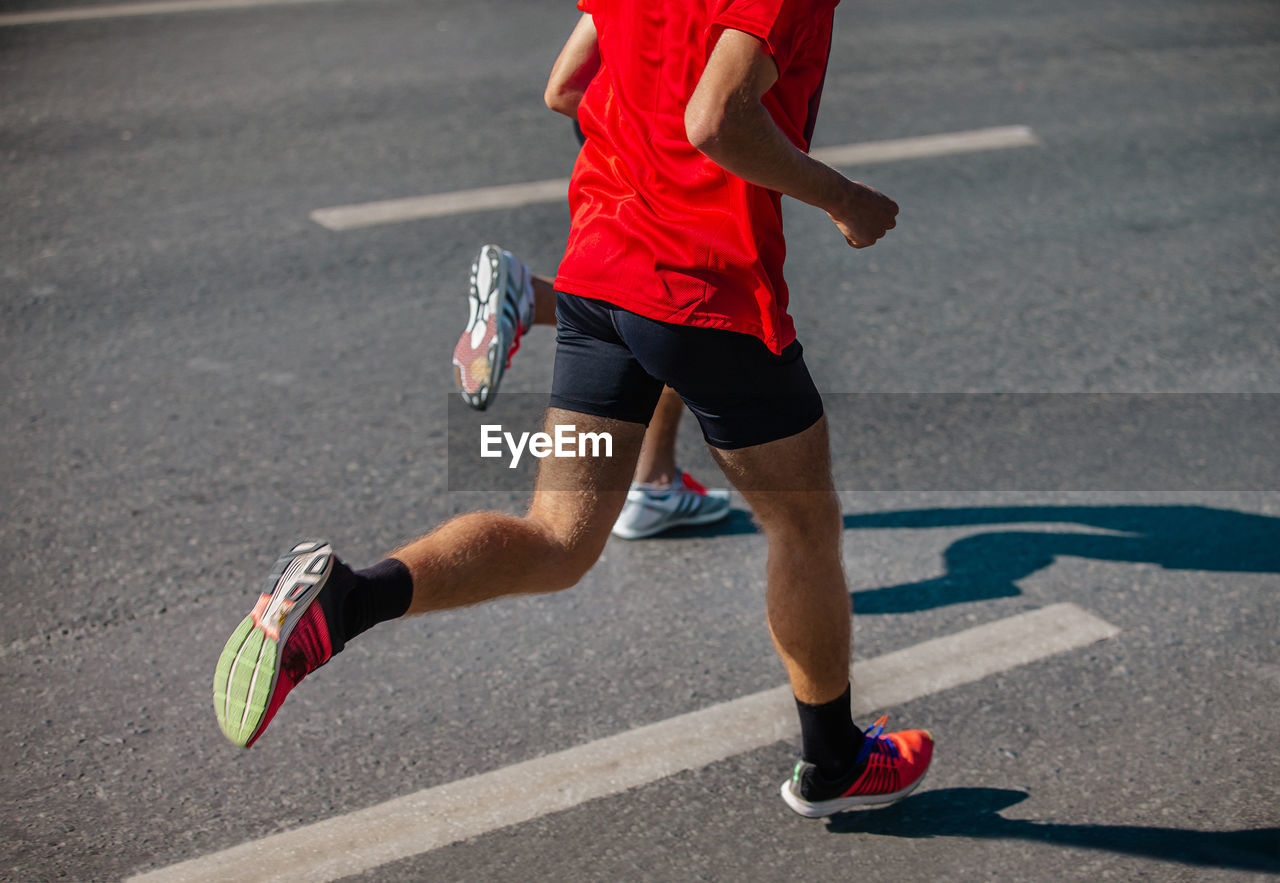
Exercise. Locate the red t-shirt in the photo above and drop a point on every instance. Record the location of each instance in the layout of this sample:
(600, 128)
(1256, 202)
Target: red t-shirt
(657, 228)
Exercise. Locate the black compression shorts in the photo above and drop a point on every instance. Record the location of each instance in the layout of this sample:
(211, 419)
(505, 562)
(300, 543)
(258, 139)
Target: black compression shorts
(613, 363)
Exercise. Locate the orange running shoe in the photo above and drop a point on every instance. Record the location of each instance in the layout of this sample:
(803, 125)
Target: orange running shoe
(888, 768)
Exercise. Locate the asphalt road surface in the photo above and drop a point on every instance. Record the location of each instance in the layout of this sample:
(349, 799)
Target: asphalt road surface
(196, 373)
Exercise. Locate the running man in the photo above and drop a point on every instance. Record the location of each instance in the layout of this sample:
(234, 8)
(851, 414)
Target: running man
(505, 299)
(697, 117)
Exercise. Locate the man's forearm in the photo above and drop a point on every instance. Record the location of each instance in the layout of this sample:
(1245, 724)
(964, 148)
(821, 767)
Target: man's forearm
(726, 119)
(744, 140)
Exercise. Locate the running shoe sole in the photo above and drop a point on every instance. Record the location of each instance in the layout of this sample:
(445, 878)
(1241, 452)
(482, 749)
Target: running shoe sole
(822, 808)
(249, 666)
(479, 355)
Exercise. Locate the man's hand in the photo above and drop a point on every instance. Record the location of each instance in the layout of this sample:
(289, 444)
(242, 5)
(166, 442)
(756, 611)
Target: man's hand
(864, 215)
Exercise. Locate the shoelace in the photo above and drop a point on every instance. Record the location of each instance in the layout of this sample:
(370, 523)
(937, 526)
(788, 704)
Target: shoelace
(873, 742)
(876, 742)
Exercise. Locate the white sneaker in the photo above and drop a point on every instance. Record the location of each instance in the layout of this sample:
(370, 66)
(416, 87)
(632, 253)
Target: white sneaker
(650, 510)
(501, 301)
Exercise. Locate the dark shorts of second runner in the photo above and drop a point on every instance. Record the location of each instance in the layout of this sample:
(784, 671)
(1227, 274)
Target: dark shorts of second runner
(613, 363)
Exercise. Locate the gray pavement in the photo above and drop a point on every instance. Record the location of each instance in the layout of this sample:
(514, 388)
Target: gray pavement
(195, 374)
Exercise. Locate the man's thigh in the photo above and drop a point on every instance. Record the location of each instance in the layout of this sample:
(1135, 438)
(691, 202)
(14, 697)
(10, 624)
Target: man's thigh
(579, 495)
(788, 483)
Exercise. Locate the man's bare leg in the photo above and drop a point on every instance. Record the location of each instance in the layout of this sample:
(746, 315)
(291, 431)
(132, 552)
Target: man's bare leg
(657, 463)
(544, 300)
(788, 485)
(314, 603)
(485, 555)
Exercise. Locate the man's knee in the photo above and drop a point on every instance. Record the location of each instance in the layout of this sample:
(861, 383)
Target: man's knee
(571, 552)
(573, 566)
(801, 519)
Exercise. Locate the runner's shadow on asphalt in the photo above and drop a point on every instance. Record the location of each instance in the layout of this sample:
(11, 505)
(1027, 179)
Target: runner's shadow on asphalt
(988, 565)
(975, 813)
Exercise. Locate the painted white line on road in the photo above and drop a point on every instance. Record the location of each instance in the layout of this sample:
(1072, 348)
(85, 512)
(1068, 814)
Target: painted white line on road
(948, 144)
(414, 208)
(436, 817)
(126, 10)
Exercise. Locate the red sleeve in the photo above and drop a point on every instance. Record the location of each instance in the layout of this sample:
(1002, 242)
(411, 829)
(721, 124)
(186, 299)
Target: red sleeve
(776, 23)
(587, 6)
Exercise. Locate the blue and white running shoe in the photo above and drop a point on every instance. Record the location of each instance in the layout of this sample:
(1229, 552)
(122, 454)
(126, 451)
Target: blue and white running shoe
(501, 302)
(651, 510)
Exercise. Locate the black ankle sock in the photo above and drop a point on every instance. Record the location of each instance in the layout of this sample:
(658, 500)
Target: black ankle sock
(375, 594)
(829, 740)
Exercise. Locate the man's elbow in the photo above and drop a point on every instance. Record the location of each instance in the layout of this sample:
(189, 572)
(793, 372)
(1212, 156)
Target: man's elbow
(562, 100)
(704, 125)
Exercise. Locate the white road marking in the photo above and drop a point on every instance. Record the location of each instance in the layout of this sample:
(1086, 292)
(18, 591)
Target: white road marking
(947, 144)
(126, 10)
(459, 202)
(414, 208)
(435, 817)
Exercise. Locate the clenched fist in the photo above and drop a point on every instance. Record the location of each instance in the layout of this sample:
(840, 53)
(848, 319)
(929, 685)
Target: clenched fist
(864, 215)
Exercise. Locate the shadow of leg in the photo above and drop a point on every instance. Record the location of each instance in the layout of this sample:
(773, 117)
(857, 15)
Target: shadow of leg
(975, 813)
